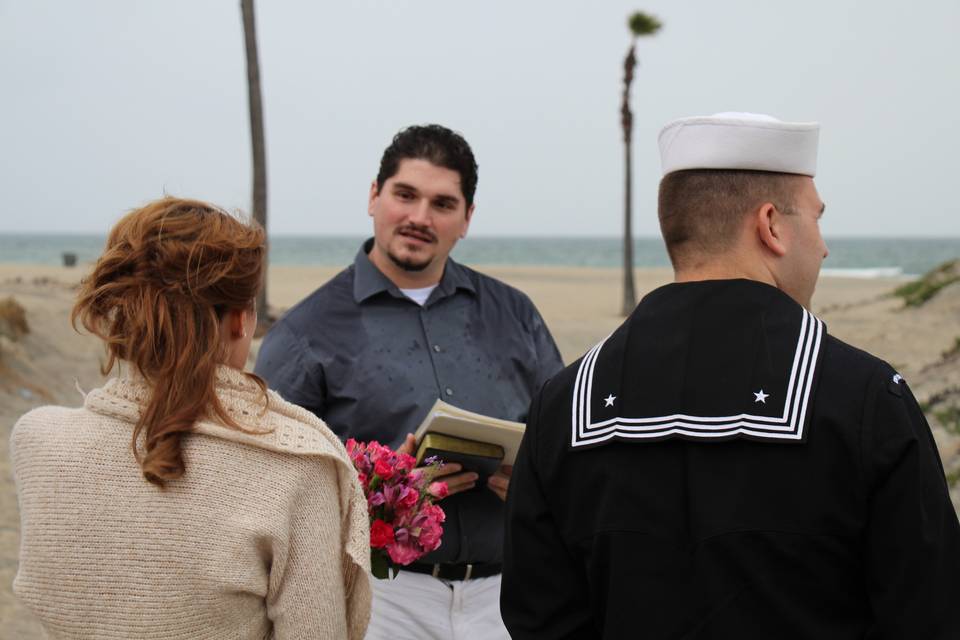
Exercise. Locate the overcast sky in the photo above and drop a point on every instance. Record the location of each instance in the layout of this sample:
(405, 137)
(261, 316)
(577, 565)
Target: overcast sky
(105, 105)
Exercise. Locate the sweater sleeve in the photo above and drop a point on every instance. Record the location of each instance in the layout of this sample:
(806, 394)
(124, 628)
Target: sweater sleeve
(310, 573)
(912, 541)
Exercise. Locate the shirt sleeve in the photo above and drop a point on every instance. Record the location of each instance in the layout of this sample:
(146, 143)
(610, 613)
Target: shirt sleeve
(283, 363)
(912, 542)
(543, 592)
(311, 579)
(549, 362)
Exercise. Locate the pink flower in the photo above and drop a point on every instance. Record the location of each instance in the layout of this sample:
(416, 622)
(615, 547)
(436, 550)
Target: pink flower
(408, 498)
(383, 468)
(439, 490)
(404, 522)
(405, 462)
(358, 456)
(376, 450)
(434, 513)
(403, 553)
(381, 534)
(391, 493)
(430, 535)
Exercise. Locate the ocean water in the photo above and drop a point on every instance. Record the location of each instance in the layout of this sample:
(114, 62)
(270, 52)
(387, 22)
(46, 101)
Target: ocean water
(862, 257)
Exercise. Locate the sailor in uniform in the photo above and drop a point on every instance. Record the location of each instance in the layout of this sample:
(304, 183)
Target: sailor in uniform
(720, 466)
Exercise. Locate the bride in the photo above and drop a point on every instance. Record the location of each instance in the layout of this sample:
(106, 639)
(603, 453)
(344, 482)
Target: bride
(183, 499)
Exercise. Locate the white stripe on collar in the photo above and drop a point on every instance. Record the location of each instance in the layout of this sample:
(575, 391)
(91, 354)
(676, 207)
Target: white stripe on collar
(788, 426)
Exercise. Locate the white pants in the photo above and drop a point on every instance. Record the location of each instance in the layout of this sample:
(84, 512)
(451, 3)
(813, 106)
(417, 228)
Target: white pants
(415, 606)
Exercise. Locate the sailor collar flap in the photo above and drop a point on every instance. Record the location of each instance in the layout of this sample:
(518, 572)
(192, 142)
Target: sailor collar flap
(705, 361)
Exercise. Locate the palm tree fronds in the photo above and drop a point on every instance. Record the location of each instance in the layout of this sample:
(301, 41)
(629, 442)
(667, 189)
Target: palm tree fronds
(643, 24)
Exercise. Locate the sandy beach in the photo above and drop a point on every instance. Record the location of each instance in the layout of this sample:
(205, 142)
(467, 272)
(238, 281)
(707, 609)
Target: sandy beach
(53, 364)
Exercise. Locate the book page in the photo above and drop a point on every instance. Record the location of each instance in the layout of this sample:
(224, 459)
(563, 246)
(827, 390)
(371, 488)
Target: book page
(452, 421)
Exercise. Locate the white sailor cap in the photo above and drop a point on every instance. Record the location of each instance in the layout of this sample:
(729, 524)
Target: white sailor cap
(739, 141)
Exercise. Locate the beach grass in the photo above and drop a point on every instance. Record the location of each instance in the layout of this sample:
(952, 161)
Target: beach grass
(13, 319)
(919, 291)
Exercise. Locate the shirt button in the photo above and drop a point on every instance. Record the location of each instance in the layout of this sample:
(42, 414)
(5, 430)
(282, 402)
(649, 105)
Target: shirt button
(436, 348)
(449, 391)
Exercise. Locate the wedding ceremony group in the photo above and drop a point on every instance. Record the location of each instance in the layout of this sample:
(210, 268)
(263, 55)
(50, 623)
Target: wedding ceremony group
(408, 453)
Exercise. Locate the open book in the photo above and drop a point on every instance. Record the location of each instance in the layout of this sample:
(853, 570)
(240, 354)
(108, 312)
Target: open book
(476, 441)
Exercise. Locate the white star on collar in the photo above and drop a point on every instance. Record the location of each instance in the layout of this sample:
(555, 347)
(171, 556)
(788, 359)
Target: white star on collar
(609, 400)
(761, 396)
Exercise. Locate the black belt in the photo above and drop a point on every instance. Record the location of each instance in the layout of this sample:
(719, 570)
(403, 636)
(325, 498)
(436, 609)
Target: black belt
(459, 571)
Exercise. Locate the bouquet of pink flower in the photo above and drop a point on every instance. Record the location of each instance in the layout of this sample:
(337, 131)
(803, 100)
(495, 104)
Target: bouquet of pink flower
(405, 524)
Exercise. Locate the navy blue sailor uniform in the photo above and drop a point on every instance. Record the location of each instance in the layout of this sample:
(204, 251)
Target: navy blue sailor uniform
(721, 467)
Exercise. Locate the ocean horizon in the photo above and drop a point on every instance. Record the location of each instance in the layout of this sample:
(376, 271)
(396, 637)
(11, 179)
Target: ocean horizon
(850, 256)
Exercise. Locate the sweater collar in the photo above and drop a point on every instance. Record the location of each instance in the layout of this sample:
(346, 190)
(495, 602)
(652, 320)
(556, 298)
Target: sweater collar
(266, 420)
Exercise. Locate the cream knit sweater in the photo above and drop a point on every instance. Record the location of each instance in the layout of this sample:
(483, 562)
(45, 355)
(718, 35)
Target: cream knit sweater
(265, 535)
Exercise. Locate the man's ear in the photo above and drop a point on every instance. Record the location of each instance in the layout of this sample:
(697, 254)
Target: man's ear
(466, 222)
(770, 228)
(374, 192)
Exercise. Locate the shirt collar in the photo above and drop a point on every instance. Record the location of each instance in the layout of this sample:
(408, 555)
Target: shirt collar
(369, 281)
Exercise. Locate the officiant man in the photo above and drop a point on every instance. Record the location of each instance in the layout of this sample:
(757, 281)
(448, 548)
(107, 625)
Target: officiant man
(721, 466)
(370, 352)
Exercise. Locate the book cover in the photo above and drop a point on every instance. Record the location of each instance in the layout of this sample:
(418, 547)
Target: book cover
(452, 421)
(481, 457)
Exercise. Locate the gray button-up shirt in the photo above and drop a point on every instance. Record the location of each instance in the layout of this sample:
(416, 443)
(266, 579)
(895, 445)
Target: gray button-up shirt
(371, 362)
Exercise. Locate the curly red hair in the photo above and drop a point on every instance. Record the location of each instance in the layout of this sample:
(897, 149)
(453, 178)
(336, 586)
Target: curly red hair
(169, 272)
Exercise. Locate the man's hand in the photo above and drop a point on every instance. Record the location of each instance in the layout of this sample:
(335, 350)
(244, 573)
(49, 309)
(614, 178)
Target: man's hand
(409, 445)
(456, 482)
(500, 481)
(449, 473)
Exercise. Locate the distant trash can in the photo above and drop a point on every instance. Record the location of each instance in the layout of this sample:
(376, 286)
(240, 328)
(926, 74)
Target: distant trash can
(69, 259)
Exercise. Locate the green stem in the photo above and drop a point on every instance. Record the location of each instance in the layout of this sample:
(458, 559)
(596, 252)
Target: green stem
(380, 565)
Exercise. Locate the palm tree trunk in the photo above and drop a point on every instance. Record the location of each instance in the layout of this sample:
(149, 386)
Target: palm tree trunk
(629, 295)
(626, 122)
(259, 146)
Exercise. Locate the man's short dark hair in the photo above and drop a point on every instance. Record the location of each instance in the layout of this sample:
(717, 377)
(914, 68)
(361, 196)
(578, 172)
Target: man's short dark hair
(437, 145)
(701, 210)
